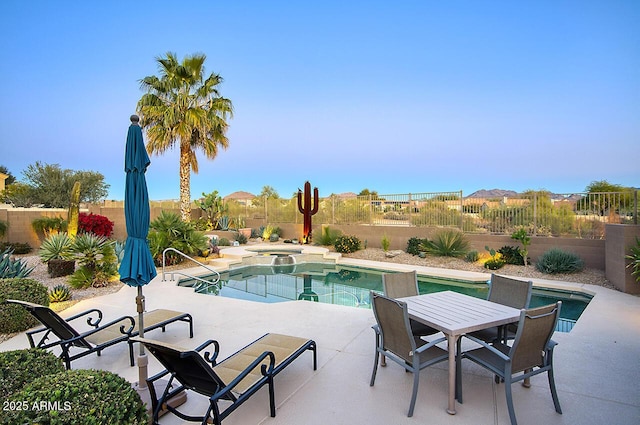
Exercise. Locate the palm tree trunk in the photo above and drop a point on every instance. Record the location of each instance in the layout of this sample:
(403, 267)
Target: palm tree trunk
(185, 182)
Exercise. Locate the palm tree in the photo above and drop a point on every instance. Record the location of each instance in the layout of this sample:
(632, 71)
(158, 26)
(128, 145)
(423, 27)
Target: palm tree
(181, 105)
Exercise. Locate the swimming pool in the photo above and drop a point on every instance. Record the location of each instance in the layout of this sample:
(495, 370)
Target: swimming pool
(349, 286)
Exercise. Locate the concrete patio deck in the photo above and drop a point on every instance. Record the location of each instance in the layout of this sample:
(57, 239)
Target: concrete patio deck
(596, 364)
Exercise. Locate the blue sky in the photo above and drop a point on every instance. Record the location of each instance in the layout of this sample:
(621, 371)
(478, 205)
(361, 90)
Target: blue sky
(397, 97)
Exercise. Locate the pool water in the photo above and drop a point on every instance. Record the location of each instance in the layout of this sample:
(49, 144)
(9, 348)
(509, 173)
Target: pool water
(350, 286)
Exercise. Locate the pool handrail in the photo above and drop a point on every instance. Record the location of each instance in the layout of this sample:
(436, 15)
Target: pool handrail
(164, 254)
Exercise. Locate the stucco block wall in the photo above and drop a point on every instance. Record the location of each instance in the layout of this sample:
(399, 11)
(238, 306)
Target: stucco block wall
(619, 239)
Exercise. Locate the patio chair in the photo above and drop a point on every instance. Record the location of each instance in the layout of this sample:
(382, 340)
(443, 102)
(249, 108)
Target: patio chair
(100, 336)
(531, 353)
(510, 292)
(405, 284)
(394, 339)
(234, 379)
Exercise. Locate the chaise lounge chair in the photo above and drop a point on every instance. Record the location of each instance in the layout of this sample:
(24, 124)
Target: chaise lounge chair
(234, 379)
(98, 338)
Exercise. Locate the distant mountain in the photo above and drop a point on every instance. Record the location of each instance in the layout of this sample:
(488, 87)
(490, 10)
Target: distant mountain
(493, 193)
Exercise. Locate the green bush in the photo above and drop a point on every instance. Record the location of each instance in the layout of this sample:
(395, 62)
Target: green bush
(512, 255)
(223, 242)
(385, 242)
(49, 225)
(97, 259)
(329, 236)
(11, 267)
(447, 243)
(241, 238)
(556, 260)
(347, 244)
(82, 397)
(3, 228)
(18, 247)
(413, 245)
(472, 256)
(494, 263)
(169, 231)
(14, 318)
(19, 367)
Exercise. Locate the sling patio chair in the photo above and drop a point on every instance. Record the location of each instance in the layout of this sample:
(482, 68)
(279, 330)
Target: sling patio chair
(234, 379)
(394, 339)
(512, 293)
(531, 353)
(405, 284)
(100, 336)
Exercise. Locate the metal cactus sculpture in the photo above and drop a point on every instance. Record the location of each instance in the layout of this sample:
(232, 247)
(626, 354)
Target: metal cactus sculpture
(306, 210)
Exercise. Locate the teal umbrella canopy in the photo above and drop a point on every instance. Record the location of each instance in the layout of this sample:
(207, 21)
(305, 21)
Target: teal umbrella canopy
(137, 267)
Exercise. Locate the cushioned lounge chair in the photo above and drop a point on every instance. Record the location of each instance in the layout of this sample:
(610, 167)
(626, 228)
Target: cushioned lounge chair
(531, 353)
(394, 339)
(102, 335)
(233, 379)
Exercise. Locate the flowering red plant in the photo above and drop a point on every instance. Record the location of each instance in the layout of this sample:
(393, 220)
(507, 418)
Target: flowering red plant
(96, 224)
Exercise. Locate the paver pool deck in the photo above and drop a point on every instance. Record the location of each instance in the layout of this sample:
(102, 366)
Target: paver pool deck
(597, 364)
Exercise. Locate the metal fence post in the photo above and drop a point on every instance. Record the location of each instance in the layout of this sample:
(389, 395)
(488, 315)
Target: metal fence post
(461, 212)
(535, 214)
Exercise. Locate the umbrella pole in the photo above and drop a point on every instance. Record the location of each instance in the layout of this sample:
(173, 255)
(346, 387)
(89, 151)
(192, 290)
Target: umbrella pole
(143, 361)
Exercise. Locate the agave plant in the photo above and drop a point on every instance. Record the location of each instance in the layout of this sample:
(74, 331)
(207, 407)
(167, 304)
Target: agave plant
(56, 247)
(12, 268)
(447, 243)
(59, 293)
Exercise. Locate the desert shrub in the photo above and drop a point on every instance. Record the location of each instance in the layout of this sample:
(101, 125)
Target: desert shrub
(97, 259)
(512, 255)
(169, 231)
(48, 225)
(223, 242)
(14, 318)
(447, 243)
(347, 244)
(329, 236)
(12, 267)
(96, 224)
(472, 256)
(19, 367)
(385, 242)
(241, 238)
(495, 262)
(18, 247)
(80, 397)
(634, 256)
(3, 228)
(557, 260)
(413, 245)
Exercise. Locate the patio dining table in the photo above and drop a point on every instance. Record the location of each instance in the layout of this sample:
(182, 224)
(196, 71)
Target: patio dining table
(456, 314)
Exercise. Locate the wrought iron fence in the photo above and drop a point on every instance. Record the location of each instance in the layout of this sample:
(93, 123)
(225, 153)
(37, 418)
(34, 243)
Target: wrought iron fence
(581, 215)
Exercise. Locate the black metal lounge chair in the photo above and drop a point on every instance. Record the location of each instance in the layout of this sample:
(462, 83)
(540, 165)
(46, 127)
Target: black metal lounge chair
(233, 379)
(531, 353)
(98, 338)
(394, 339)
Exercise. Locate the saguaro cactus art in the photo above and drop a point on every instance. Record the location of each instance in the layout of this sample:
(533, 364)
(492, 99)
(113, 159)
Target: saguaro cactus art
(306, 210)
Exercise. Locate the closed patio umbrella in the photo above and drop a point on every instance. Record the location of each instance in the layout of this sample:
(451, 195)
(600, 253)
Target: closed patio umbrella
(137, 268)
